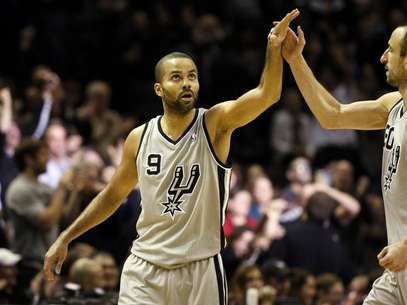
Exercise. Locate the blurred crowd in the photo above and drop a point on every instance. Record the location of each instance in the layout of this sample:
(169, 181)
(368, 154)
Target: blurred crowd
(305, 219)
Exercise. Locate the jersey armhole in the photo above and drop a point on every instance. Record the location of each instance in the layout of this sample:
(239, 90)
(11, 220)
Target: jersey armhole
(141, 141)
(226, 165)
(395, 104)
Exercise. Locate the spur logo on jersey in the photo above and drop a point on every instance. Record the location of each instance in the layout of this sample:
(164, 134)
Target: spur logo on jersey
(392, 167)
(177, 190)
(395, 156)
(389, 137)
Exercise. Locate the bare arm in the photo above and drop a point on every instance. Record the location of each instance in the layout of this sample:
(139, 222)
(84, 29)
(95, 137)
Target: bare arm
(230, 115)
(348, 202)
(50, 216)
(101, 207)
(331, 114)
(6, 112)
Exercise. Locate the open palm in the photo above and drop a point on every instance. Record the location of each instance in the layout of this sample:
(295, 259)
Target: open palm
(293, 45)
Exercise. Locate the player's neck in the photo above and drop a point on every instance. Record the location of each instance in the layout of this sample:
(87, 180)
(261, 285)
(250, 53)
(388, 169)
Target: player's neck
(174, 124)
(403, 92)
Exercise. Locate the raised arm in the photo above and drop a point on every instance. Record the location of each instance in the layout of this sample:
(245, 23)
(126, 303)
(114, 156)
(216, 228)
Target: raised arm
(6, 111)
(331, 114)
(230, 115)
(101, 207)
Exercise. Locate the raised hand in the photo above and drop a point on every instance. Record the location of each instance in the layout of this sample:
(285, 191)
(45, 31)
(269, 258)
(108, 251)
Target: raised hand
(280, 29)
(293, 45)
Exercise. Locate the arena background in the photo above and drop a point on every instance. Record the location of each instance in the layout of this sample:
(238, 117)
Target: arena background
(118, 43)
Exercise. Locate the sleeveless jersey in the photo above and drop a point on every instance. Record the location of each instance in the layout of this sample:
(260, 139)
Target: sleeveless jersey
(394, 179)
(184, 191)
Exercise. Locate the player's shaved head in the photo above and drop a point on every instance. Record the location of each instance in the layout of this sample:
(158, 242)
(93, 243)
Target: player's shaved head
(403, 41)
(159, 67)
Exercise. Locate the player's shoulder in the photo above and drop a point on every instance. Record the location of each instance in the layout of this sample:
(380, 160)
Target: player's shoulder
(134, 138)
(216, 113)
(389, 100)
(137, 131)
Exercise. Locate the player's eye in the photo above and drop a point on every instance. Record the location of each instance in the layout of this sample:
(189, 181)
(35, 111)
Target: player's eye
(192, 76)
(175, 77)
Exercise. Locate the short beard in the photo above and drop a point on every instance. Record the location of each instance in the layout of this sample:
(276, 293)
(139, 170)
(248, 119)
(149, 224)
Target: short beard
(178, 106)
(392, 82)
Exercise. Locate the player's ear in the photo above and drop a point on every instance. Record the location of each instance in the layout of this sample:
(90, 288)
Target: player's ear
(158, 90)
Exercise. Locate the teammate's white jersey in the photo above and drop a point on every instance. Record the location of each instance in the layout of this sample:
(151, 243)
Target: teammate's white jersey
(184, 192)
(394, 181)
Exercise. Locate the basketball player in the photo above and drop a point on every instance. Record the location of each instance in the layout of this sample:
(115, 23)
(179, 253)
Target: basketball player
(179, 160)
(387, 112)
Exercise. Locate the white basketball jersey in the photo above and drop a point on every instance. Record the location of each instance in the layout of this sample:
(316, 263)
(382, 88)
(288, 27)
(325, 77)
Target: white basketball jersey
(184, 191)
(394, 181)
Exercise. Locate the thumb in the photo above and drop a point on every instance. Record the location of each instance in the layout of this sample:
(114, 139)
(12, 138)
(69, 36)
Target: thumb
(301, 36)
(383, 253)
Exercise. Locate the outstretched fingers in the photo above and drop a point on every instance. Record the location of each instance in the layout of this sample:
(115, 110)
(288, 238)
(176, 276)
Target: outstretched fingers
(48, 265)
(290, 17)
(300, 34)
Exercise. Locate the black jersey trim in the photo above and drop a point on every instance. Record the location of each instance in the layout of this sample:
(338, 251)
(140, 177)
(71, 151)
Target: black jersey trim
(222, 193)
(219, 279)
(183, 134)
(392, 107)
(141, 140)
(227, 165)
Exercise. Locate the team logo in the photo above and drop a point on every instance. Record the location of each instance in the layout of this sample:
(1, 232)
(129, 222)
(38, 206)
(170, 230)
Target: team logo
(177, 190)
(392, 168)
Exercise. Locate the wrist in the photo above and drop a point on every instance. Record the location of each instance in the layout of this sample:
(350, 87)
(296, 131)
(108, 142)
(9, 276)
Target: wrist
(296, 60)
(64, 238)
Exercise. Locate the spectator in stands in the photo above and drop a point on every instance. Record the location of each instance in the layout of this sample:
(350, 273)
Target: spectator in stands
(330, 290)
(87, 273)
(238, 212)
(290, 128)
(9, 139)
(39, 102)
(35, 210)
(8, 277)
(277, 275)
(303, 288)
(246, 276)
(321, 247)
(97, 122)
(298, 174)
(111, 273)
(58, 163)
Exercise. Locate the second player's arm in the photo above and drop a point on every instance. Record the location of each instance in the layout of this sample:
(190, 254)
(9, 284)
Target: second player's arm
(331, 114)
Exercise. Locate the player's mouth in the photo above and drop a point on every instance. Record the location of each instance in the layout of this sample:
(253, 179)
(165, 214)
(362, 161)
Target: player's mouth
(189, 96)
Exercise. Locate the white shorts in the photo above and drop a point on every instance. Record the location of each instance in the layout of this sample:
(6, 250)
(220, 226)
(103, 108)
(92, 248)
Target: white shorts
(197, 283)
(385, 291)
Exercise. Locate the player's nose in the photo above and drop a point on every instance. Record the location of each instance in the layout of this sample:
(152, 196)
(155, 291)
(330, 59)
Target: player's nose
(383, 58)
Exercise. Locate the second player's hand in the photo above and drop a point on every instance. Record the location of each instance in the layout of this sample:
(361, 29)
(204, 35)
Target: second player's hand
(293, 45)
(394, 257)
(279, 31)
